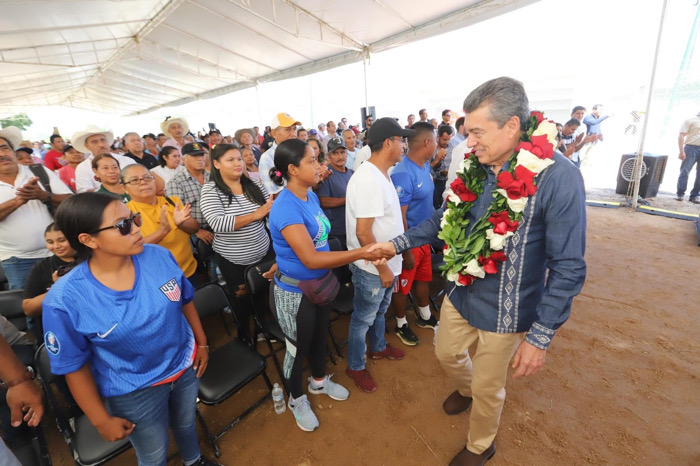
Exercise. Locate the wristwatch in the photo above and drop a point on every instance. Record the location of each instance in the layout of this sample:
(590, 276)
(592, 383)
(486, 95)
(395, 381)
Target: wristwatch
(29, 375)
(47, 201)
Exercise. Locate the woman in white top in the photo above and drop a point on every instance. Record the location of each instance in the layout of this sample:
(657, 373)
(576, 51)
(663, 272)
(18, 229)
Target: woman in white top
(169, 160)
(235, 207)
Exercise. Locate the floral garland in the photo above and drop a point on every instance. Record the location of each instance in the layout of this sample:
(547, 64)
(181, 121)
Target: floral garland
(468, 257)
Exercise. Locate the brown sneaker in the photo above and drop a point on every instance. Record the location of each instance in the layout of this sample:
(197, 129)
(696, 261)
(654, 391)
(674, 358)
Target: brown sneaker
(389, 352)
(467, 458)
(362, 379)
(456, 403)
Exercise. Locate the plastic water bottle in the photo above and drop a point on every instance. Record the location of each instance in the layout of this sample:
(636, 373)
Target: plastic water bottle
(278, 399)
(435, 330)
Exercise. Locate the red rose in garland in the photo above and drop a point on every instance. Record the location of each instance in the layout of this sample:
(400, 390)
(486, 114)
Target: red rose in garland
(502, 223)
(465, 194)
(466, 279)
(541, 147)
(490, 264)
(513, 187)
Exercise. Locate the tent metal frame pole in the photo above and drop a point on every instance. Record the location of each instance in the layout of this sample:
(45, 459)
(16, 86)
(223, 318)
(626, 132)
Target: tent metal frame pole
(640, 151)
(365, 58)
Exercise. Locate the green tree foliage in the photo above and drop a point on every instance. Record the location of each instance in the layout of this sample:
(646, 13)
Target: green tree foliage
(21, 121)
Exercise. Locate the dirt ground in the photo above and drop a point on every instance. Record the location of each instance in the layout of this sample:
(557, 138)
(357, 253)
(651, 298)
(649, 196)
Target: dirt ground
(620, 385)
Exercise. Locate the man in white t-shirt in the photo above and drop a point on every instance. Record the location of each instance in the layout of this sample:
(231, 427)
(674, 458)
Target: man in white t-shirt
(373, 213)
(24, 210)
(93, 141)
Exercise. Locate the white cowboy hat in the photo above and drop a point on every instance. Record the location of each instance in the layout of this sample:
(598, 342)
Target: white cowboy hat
(78, 139)
(12, 134)
(165, 125)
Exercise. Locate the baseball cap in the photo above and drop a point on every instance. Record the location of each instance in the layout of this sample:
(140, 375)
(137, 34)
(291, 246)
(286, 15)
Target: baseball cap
(25, 149)
(67, 147)
(336, 143)
(386, 128)
(285, 120)
(193, 148)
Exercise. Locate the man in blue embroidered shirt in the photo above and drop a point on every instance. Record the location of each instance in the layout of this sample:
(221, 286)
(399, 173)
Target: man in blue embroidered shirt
(514, 313)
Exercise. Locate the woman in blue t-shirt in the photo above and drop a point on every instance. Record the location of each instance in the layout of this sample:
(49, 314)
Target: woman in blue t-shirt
(122, 326)
(299, 231)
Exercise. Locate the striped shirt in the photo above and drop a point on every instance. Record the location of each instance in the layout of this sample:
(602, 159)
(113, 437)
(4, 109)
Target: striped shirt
(187, 188)
(245, 246)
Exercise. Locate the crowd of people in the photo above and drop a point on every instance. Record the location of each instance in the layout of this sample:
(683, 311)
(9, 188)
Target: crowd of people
(79, 225)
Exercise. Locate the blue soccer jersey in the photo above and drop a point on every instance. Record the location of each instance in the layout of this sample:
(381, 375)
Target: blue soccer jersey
(414, 186)
(290, 210)
(132, 339)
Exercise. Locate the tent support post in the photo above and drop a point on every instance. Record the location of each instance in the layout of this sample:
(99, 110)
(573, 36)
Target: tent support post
(640, 151)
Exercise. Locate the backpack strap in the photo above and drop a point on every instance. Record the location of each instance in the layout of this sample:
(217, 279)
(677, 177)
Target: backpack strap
(40, 172)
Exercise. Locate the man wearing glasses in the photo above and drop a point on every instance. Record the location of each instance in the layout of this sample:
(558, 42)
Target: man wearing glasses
(373, 213)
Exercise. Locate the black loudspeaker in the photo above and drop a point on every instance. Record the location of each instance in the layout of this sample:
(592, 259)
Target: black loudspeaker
(366, 111)
(652, 174)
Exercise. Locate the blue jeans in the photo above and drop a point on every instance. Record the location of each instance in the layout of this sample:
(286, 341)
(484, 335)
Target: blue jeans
(370, 303)
(17, 270)
(692, 157)
(153, 409)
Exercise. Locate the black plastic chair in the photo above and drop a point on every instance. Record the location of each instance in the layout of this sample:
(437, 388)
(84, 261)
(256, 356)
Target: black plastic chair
(85, 442)
(11, 308)
(230, 368)
(4, 285)
(259, 293)
(34, 451)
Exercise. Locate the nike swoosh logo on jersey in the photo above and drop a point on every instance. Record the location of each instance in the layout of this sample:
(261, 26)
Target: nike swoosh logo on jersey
(421, 184)
(104, 335)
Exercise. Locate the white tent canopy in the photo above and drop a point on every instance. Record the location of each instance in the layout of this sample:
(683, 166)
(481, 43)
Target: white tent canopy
(134, 56)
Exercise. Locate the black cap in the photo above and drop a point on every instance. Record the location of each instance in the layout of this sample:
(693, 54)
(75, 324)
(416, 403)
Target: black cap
(336, 143)
(193, 148)
(67, 147)
(25, 149)
(386, 128)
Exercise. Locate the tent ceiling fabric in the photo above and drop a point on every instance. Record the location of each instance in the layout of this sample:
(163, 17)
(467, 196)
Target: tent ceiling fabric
(134, 56)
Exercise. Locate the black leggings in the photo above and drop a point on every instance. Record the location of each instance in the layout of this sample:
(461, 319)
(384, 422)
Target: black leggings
(311, 327)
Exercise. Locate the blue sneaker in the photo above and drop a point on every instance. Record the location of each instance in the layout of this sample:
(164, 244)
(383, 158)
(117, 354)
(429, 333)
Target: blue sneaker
(305, 417)
(330, 388)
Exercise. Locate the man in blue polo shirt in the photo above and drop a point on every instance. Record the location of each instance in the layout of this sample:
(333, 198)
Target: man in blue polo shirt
(414, 186)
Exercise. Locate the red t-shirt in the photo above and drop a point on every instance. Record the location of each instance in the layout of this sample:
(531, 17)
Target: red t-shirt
(67, 175)
(51, 160)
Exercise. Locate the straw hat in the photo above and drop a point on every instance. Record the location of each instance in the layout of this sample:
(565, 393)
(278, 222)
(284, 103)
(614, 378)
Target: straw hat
(165, 125)
(241, 132)
(78, 139)
(12, 134)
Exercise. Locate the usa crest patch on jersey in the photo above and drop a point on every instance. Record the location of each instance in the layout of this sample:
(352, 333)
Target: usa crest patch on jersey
(171, 290)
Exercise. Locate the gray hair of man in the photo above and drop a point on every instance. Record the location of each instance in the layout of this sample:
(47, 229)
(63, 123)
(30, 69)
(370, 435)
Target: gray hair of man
(506, 98)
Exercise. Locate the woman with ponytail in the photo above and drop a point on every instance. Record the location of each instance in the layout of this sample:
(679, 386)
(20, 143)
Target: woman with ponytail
(299, 230)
